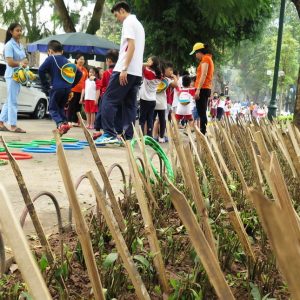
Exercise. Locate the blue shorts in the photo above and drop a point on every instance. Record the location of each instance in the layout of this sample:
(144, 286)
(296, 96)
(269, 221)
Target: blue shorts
(195, 113)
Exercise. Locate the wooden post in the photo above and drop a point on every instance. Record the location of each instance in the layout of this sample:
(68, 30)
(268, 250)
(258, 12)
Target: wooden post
(122, 248)
(226, 196)
(81, 226)
(279, 224)
(203, 249)
(13, 232)
(115, 206)
(149, 227)
(29, 204)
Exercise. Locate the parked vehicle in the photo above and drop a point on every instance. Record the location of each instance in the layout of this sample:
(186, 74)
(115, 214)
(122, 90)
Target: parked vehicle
(31, 99)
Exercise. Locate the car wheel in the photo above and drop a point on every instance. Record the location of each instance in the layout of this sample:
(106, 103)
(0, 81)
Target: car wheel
(40, 109)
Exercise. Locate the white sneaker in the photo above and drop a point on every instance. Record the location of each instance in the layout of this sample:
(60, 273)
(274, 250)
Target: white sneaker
(161, 140)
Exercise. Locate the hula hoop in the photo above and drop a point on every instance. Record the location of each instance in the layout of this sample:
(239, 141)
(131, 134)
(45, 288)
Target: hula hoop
(160, 152)
(43, 142)
(2, 149)
(70, 147)
(67, 140)
(21, 145)
(16, 155)
(39, 150)
(83, 143)
(3, 162)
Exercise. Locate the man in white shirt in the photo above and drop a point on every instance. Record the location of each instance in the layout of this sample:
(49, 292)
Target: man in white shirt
(126, 77)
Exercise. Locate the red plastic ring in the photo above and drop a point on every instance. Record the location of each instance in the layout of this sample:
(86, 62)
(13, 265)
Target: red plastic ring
(16, 155)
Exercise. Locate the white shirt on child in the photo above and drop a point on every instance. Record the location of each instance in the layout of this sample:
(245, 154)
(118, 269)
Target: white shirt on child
(90, 88)
(149, 86)
(185, 95)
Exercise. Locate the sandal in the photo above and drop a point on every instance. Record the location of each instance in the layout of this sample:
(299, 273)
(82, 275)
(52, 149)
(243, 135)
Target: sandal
(18, 130)
(4, 128)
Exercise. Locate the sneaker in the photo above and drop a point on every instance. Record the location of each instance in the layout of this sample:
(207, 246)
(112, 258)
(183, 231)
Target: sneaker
(96, 135)
(106, 138)
(161, 140)
(63, 128)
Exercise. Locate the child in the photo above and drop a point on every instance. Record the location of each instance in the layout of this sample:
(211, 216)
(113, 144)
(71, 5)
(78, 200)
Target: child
(169, 79)
(185, 99)
(152, 76)
(220, 107)
(111, 60)
(64, 76)
(90, 94)
(213, 106)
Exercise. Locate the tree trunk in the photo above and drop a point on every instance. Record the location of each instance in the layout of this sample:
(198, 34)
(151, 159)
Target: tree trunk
(67, 22)
(297, 102)
(94, 23)
(297, 4)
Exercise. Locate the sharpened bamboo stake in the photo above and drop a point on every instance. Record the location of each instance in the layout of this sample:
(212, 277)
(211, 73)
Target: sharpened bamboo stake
(199, 201)
(30, 206)
(114, 229)
(147, 217)
(102, 171)
(226, 196)
(278, 223)
(13, 232)
(81, 226)
(203, 249)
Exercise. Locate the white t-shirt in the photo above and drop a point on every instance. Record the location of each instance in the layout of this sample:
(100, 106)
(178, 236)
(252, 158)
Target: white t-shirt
(161, 96)
(149, 86)
(132, 29)
(221, 103)
(185, 96)
(90, 88)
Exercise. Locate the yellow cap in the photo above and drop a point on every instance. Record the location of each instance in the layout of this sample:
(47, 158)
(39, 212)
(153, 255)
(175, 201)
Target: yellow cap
(196, 47)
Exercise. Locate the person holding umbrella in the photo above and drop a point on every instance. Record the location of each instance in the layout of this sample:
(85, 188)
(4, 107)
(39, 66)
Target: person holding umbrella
(15, 57)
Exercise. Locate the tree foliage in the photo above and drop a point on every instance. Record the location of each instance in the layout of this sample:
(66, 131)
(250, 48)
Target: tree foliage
(172, 27)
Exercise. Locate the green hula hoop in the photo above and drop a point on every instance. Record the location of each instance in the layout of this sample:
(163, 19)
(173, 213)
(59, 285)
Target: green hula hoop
(3, 162)
(149, 141)
(43, 142)
(2, 149)
(21, 145)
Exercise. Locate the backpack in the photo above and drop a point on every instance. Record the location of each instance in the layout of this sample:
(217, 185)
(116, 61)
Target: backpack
(184, 98)
(67, 71)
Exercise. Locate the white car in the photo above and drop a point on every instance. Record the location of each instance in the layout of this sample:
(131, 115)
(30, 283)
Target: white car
(31, 99)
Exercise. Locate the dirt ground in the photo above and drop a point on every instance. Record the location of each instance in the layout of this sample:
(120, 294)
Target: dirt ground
(42, 173)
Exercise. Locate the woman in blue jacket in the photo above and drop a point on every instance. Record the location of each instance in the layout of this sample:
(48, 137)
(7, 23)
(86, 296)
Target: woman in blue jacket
(15, 56)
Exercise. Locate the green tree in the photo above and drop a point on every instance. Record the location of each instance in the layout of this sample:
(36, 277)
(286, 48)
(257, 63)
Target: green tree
(172, 27)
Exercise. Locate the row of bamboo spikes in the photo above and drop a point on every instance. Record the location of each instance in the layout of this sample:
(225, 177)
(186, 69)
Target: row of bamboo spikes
(278, 217)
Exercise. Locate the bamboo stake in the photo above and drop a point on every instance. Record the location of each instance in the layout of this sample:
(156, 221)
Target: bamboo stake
(13, 232)
(114, 228)
(228, 201)
(199, 202)
(284, 238)
(293, 139)
(102, 171)
(29, 204)
(81, 226)
(149, 227)
(219, 155)
(203, 249)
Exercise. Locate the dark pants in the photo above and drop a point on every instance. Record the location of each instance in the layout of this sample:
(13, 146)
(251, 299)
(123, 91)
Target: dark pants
(116, 96)
(220, 113)
(74, 108)
(57, 102)
(201, 105)
(118, 119)
(162, 121)
(146, 115)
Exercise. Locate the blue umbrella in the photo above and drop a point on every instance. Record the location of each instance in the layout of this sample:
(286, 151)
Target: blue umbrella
(76, 42)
